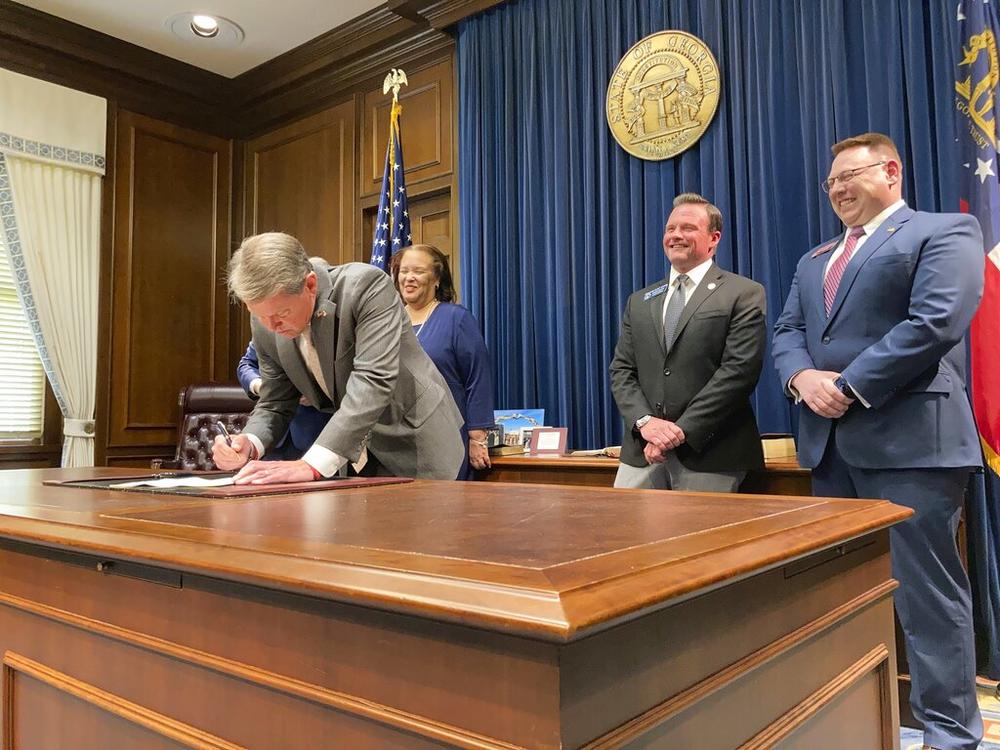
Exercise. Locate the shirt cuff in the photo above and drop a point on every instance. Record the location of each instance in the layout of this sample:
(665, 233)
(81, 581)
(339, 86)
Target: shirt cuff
(255, 441)
(324, 460)
(858, 396)
(791, 391)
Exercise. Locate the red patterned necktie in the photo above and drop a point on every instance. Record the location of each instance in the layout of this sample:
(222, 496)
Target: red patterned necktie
(836, 271)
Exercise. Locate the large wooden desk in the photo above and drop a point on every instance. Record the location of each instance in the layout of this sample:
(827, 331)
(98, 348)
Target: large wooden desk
(780, 477)
(439, 614)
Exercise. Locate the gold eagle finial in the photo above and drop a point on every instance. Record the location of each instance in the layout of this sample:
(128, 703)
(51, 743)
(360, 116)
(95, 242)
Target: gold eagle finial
(395, 79)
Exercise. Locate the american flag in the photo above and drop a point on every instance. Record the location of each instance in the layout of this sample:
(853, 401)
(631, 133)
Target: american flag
(392, 223)
(976, 103)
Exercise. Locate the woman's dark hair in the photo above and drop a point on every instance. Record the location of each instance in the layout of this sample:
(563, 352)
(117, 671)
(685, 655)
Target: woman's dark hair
(445, 289)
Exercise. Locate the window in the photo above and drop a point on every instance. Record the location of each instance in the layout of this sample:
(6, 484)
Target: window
(22, 380)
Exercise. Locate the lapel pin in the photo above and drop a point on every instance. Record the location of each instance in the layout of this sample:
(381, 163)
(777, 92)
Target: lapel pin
(319, 314)
(890, 230)
(711, 286)
(824, 248)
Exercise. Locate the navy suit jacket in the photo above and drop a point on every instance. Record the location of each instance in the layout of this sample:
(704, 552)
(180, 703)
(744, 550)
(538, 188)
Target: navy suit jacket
(307, 423)
(896, 331)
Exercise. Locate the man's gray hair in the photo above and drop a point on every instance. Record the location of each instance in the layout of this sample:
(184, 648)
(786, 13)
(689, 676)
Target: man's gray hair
(714, 214)
(268, 264)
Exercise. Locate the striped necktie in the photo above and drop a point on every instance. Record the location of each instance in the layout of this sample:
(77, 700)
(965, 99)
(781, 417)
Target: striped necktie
(836, 271)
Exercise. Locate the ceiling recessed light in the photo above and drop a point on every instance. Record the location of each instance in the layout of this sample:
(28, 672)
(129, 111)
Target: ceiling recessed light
(196, 28)
(205, 26)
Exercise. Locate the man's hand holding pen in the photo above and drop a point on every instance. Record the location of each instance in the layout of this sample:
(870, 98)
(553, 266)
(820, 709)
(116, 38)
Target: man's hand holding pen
(235, 451)
(230, 452)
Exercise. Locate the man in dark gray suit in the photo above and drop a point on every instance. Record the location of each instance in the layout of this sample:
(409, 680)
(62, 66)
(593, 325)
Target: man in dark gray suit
(339, 336)
(688, 357)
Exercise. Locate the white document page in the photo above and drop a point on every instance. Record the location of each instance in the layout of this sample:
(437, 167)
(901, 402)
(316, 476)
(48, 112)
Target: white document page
(169, 482)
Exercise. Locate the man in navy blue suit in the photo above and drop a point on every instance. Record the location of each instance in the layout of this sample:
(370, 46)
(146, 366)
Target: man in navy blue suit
(871, 344)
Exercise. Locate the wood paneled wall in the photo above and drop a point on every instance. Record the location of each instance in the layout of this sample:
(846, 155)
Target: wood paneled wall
(172, 190)
(319, 177)
(429, 154)
(299, 179)
(428, 137)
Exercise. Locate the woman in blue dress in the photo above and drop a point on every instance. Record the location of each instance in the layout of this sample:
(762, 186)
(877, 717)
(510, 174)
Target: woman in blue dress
(450, 336)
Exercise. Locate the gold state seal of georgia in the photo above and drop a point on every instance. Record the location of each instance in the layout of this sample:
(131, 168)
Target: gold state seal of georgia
(663, 95)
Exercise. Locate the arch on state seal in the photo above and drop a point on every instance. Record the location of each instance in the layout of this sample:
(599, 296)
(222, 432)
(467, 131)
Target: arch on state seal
(677, 101)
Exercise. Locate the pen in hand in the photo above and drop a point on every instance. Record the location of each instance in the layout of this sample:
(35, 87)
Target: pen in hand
(225, 433)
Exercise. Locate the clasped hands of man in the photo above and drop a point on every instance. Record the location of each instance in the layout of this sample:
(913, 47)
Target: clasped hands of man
(661, 436)
(238, 456)
(817, 390)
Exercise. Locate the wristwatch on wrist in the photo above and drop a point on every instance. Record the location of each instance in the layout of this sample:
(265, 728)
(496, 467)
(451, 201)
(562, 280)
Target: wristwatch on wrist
(844, 387)
(641, 421)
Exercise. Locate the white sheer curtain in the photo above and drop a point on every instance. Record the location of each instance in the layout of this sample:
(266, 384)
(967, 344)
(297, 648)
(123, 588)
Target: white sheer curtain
(51, 167)
(59, 211)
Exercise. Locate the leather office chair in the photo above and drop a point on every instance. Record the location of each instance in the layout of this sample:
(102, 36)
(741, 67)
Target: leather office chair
(201, 406)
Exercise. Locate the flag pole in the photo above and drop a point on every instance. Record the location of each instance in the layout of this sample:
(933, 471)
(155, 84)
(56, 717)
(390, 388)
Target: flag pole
(392, 223)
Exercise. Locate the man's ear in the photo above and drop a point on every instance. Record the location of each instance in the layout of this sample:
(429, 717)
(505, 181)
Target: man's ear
(894, 170)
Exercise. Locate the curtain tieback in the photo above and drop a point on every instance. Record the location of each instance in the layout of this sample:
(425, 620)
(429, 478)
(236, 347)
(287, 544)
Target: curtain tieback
(79, 428)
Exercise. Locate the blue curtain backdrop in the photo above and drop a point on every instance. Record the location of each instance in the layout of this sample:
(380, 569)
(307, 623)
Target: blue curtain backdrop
(559, 225)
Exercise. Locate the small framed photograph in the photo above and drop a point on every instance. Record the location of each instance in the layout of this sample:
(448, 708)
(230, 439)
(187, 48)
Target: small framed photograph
(494, 436)
(548, 441)
(526, 437)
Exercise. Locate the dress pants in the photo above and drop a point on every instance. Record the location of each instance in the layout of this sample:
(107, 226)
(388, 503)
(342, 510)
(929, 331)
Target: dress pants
(673, 475)
(934, 600)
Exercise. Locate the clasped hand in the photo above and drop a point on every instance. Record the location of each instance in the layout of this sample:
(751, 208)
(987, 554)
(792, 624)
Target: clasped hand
(661, 436)
(817, 391)
(237, 456)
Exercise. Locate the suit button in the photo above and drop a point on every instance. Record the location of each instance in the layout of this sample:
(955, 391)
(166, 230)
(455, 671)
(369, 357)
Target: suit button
(666, 372)
(826, 339)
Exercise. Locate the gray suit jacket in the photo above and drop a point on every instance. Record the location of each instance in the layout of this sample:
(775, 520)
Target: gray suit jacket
(705, 381)
(385, 388)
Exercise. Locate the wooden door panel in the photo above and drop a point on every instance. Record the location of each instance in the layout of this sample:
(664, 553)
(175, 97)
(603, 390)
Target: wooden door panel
(300, 180)
(171, 236)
